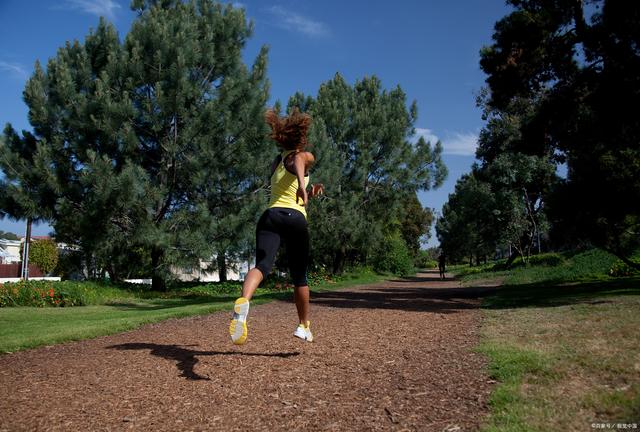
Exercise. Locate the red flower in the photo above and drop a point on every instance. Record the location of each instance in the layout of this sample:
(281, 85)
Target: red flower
(51, 293)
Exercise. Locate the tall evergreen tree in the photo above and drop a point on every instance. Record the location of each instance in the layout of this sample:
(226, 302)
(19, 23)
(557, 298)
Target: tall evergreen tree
(362, 134)
(467, 227)
(415, 224)
(149, 142)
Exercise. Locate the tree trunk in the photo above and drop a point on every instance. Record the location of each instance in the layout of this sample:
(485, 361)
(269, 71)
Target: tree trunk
(512, 258)
(25, 254)
(157, 280)
(338, 261)
(222, 266)
(114, 275)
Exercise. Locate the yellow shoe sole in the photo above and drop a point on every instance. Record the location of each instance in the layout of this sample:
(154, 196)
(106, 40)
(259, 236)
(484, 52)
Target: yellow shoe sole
(238, 326)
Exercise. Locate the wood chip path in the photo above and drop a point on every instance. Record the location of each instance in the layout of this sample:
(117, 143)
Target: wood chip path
(396, 355)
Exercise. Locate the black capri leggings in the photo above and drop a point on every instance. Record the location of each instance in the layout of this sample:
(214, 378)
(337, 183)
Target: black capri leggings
(276, 224)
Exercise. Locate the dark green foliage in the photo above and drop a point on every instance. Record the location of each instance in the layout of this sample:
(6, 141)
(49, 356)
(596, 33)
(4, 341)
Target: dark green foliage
(69, 265)
(470, 218)
(392, 255)
(578, 68)
(548, 259)
(427, 258)
(415, 224)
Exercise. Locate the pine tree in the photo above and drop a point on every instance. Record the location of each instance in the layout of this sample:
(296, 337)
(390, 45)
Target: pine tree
(148, 142)
(361, 137)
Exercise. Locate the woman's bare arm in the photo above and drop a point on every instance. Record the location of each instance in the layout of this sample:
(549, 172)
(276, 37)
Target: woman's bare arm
(300, 166)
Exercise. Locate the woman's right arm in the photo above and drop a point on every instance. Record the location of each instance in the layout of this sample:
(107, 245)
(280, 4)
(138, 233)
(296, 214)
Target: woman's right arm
(300, 165)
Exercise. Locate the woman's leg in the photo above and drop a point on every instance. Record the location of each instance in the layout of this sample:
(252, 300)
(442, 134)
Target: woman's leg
(297, 242)
(267, 244)
(251, 282)
(301, 297)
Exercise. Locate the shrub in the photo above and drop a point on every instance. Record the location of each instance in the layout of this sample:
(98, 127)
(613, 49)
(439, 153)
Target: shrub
(547, 259)
(542, 260)
(38, 294)
(393, 256)
(425, 259)
(318, 276)
(620, 269)
(44, 254)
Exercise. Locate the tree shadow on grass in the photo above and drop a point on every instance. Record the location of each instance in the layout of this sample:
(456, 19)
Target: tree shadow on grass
(561, 293)
(186, 358)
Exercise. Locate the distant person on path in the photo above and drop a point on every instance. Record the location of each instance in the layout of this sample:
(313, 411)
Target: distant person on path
(285, 220)
(441, 264)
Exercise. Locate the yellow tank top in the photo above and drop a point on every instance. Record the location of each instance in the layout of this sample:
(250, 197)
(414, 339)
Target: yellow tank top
(284, 186)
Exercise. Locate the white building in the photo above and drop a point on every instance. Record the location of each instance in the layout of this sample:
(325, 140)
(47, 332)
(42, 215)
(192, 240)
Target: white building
(10, 251)
(236, 270)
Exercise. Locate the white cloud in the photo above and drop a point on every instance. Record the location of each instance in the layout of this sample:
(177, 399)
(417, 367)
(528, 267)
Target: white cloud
(105, 8)
(292, 21)
(15, 68)
(463, 144)
(456, 143)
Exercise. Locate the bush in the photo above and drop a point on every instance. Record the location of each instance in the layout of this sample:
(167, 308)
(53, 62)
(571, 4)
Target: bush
(425, 259)
(44, 254)
(620, 269)
(38, 294)
(547, 259)
(319, 276)
(393, 256)
(199, 289)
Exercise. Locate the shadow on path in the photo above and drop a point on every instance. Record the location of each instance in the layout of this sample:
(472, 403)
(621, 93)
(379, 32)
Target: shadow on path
(395, 295)
(186, 358)
(435, 300)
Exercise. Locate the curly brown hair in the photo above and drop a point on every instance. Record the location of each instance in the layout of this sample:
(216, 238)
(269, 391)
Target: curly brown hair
(289, 132)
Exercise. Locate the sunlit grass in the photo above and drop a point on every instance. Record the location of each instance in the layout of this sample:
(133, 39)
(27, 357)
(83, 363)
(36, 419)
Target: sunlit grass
(563, 344)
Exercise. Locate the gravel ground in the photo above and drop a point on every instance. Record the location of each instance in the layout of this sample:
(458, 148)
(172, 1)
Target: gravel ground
(396, 355)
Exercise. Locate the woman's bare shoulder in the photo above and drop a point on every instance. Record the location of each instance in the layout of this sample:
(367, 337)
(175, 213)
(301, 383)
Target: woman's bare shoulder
(308, 157)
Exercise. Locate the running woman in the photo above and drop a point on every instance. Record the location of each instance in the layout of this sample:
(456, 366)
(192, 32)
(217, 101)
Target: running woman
(285, 220)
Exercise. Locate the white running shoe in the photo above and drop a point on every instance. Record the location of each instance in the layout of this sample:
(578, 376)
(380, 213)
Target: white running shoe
(238, 327)
(304, 332)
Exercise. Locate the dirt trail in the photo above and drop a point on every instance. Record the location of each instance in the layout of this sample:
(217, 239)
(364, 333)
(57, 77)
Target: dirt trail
(390, 356)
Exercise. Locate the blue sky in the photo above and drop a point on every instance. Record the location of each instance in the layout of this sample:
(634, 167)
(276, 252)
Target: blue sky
(429, 48)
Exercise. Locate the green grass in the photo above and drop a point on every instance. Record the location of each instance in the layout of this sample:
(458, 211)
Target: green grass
(590, 265)
(29, 327)
(563, 344)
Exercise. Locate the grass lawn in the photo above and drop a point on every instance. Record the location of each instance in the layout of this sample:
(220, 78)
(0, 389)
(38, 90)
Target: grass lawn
(29, 327)
(565, 353)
